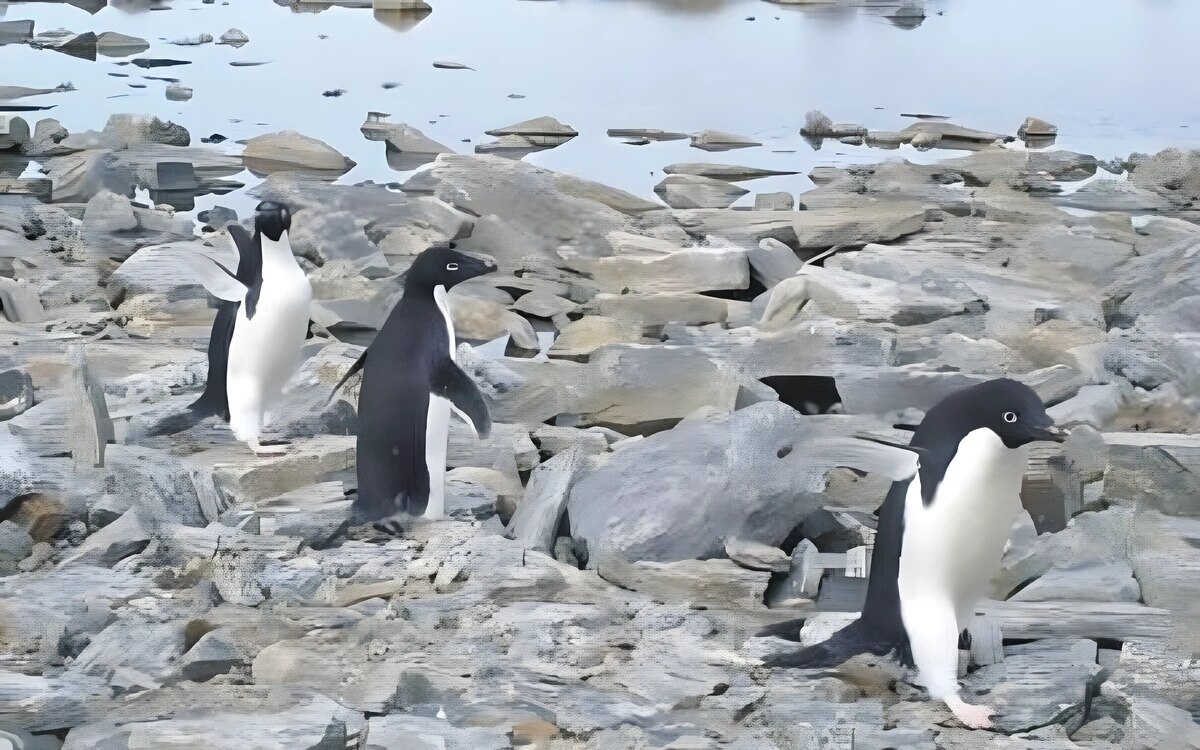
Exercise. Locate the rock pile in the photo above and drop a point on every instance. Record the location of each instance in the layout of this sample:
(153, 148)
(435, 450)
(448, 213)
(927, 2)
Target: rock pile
(662, 378)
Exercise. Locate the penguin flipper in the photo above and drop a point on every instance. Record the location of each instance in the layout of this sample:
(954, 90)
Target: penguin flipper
(454, 385)
(249, 272)
(216, 278)
(358, 365)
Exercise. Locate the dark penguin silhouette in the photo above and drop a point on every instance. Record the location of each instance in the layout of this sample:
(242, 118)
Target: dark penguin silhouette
(254, 348)
(410, 384)
(940, 537)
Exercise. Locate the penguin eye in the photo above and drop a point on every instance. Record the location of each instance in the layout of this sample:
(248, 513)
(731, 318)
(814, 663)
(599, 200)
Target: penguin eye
(1010, 416)
(451, 266)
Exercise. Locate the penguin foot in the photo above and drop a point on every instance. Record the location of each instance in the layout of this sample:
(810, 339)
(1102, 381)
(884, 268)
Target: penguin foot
(265, 450)
(973, 717)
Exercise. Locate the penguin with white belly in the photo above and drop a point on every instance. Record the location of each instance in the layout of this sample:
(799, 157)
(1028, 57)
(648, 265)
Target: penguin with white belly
(260, 327)
(941, 535)
(410, 386)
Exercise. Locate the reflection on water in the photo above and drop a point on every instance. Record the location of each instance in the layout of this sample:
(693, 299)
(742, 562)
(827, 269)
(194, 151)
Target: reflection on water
(746, 67)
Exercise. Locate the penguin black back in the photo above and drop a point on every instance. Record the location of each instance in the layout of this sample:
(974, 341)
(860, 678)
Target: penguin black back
(409, 363)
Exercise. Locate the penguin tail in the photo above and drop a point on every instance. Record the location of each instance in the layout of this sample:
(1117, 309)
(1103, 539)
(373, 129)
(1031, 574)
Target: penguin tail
(846, 643)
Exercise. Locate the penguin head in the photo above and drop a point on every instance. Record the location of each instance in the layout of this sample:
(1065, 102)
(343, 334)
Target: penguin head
(1010, 409)
(272, 219)
(446, 266)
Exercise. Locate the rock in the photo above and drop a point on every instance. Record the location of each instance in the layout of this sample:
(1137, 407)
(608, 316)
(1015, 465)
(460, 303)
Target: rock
(214, 654)
(818, 125)
(16, 393)
(234, 37)
(774, 202)
(1112, 582)
(692, 191)
(15, 546)
(112, 44)
(124, 131)
(728, 172)
(650, 134)
(803, 581)
(772, 261)
(813, 229)
(756, 556)
(118, 540)
(287, 150)
(450, 65)
(1152, 470)
(108, 212)
(716, 140)
(14, 132)
(422, 733)
(581, 337)
(607, 511)
(1032, 685)
(949, 133)
(1095, 405)
(540, 304)
(1172, 173)
(537, 128)
(659, 267)
(407, 147)
(1034, 127)
(711, 583)
(535, 524)
(13, 32)
(193, 41)
(178, 93)
(89, 427)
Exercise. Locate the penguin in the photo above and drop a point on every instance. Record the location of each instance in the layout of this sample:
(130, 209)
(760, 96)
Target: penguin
(410, 385)
(940, 537)
(261, 324)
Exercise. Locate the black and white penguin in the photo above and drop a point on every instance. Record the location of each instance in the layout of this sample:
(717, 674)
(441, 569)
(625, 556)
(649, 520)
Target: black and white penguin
(410, 385)
(940, 537)
(260, 327)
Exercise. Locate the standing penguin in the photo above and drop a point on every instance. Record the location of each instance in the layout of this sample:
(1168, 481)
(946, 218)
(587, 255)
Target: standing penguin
(410, 385)
(941, 535)
(260, 326)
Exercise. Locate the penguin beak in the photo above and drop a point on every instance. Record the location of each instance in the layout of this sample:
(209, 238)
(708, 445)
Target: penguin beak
(1051, 433)
(483, 264)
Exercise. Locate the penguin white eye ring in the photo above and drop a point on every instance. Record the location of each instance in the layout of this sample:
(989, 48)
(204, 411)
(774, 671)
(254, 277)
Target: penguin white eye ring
(451, 266)
(1010, 416)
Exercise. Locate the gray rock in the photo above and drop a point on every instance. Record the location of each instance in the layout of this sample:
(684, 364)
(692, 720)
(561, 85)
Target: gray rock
(818, 125)
(772, 261)
(108, 212)
(115, 542)
(12, 32)
(1095, 405)
(774, 202)
(716, 140)
(234, 37)
(124, 130)
(712, 583)
(113, 44)
(20, 302)
(1113, 195)
(651, 134)
(193, 41)
(16, 393)
(803, 581)
(949, 133)
(692, 191)
(1030, 689)
(14, 132)
(407, 147)
(1111, 582)
(178, 93)
(1152, 470)
(1036, 127)
(15, 546)
(89, 427)
(692, 470)
(289, 150)
(653, 266)
(1172, 173)
(535, 524)
(421, 733)
(727, 172)
(757, 556)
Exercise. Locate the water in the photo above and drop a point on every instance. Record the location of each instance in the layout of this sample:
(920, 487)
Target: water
(1115, 77)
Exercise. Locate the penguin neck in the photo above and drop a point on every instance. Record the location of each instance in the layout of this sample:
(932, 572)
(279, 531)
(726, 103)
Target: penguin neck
(277, 253)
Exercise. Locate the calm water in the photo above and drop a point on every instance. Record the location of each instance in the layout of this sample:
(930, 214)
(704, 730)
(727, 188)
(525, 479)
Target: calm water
(1116, 77)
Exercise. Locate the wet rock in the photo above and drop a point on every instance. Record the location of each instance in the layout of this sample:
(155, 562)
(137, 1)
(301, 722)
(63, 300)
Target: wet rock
(12, 32)
(234, 37)
(15, 546)
(289, 150)
(728, 172)
(14, 132)
(193, 41)
(818, 125)
(716, 140)
(649, 134)
(112, 44)
(407, 147)
(949, 135)
(774, 202)
(178, 93)
(692, 191)
(1035, 127)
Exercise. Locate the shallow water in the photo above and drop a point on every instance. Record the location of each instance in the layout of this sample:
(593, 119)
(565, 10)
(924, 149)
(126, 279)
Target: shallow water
(1116, 77)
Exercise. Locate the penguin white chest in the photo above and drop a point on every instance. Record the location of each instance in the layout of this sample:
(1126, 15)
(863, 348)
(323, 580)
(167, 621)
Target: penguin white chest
(952, 547)
(265, 350)
(437, 423)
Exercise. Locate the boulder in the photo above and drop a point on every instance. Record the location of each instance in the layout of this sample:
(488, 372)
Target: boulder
(289, 150)
(693, 191)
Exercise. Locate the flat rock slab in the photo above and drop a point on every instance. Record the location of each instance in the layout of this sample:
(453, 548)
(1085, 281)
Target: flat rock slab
(1030, 690)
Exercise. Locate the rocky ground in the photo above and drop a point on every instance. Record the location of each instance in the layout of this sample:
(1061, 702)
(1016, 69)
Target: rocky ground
(652, 513)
